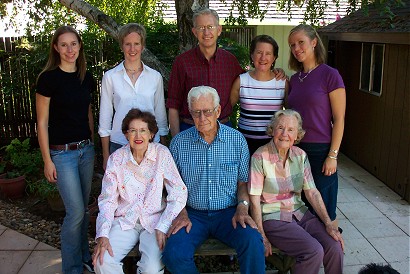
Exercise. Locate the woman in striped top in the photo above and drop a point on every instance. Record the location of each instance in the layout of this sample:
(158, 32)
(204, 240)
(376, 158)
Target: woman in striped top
(259, 93)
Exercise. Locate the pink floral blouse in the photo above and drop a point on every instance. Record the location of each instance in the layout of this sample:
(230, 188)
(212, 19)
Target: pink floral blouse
(135, 192)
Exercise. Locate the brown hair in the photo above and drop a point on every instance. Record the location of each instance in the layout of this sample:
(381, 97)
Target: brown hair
(54, 57)
(320, 51)
(145, 116)
(264, 39)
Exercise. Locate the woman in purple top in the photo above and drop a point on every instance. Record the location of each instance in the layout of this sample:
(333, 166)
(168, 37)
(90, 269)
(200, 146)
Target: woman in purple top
(318, 93)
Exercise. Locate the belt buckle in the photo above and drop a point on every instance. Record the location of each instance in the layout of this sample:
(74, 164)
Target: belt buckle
(82, 144)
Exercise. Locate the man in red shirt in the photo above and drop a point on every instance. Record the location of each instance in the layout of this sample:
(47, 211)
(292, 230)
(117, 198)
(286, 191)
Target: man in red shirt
(206, 64)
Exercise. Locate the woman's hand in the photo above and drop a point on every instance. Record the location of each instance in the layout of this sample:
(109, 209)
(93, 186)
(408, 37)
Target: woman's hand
(161, 239)
(50, 172)
(329, 166)
(267, 245)
(103, 244)
(335, 234)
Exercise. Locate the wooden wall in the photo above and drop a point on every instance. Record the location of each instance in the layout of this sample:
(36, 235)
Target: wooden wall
(377, 132)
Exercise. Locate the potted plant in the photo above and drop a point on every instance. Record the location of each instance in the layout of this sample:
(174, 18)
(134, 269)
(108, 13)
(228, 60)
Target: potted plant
(48, 191)
(19, 165)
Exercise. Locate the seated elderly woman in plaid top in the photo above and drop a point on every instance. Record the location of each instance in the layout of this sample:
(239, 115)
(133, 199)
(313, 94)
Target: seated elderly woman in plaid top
(278, 174)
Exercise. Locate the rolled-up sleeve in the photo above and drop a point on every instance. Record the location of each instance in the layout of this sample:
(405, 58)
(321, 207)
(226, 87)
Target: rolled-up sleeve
(106, 106)
(160, 111)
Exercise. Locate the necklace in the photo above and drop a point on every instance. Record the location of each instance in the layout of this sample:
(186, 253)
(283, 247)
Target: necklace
(304, 77)
(133, 72)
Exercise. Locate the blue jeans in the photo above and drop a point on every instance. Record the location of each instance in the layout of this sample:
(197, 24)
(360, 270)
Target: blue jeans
(178, 255)
(114, 147)
(75, 170)
(327, 185)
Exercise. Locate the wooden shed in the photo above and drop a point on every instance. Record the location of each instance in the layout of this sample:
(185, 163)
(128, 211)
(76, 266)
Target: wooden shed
(373, 56)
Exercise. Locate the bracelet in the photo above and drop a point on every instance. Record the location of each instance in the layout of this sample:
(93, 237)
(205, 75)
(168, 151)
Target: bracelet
(335, 151)
(332, 157)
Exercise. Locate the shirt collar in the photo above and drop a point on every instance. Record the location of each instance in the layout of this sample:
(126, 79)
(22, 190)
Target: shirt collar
(202, 56)
(121, 67)
(149, 155)
(274, 154)
(220, 134)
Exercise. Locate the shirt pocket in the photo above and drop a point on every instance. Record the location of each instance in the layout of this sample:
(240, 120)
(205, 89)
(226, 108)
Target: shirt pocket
(229, 176)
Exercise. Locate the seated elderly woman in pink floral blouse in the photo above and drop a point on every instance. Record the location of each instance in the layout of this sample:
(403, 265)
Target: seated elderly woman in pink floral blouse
(132, 203)
(278, 175)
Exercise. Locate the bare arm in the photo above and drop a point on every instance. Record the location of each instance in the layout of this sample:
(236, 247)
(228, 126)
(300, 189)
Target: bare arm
(242, 211)
(234, 97)
(105, 145)
(338, 105)
(315, 199)
(256, 215)
(42, 108)
(173, 117)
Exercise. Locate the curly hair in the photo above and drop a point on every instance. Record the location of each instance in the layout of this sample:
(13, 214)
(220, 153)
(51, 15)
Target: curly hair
(145, 116)
(286, 112)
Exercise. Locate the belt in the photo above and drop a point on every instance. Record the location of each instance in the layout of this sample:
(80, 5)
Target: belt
(191, 122)
(71, 146)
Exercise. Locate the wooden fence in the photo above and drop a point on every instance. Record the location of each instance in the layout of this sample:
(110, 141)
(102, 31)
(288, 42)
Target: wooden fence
(19, 70)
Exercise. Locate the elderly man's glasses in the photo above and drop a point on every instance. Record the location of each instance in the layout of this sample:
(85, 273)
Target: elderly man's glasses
(205, 112)
(142, 131)
(203, 28)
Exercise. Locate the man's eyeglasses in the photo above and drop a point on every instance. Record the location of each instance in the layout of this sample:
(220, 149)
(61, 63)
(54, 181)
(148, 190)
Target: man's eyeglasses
(203, 28)
(205, 112)
(133, 131)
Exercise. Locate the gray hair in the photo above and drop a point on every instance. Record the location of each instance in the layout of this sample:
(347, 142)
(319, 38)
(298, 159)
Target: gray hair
(199, 91)
(130, 28)
(286, 112)
(205, 11)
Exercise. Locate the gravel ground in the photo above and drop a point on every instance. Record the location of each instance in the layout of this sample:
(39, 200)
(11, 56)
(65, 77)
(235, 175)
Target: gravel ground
(28, 224)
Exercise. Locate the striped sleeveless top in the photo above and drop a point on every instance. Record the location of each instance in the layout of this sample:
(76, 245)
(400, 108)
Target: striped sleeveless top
(259, 100)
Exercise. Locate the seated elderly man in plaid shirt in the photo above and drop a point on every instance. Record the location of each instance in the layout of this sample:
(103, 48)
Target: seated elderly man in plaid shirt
(213, 160)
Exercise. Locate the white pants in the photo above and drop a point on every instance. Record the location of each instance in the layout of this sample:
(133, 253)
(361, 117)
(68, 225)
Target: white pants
(122, 241)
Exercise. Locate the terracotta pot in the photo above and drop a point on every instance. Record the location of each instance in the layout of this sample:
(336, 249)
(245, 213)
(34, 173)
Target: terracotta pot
(56, 203)
(12, 188)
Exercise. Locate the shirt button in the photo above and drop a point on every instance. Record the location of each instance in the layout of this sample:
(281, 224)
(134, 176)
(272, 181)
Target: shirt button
(209, 165)
(210, 181)
(210, 198)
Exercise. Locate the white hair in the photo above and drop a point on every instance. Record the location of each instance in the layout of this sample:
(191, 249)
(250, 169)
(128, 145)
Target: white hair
(199, 91)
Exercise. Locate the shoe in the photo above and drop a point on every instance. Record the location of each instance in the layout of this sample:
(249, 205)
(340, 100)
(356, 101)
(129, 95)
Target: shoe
(89, 266)
(340, 230)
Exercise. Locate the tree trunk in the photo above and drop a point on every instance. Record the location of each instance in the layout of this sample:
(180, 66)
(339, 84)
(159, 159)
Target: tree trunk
(184, 9)
(111, 27)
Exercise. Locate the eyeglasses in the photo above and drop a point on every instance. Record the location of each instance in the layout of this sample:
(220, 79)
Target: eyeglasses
(142, 131)
(205, 112)
(203, 28)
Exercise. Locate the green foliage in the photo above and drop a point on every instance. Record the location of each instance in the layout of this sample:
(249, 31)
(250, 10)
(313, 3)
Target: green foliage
(241, 52)
(43, 188)
(162, 41)
(20, 159)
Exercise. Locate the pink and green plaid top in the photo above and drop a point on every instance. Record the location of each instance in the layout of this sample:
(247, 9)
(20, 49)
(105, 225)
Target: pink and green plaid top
(279, 186)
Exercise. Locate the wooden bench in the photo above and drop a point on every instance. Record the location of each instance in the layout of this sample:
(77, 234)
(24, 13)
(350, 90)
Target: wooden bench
(213, 247)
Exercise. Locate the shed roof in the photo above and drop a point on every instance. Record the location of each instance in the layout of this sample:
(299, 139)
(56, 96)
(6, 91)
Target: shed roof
(273, 15)
(373, 27)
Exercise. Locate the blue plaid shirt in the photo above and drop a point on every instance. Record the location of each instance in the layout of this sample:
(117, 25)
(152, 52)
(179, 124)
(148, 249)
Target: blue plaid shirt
(211, 172)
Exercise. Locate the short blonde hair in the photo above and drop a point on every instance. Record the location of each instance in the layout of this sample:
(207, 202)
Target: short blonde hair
(130, 28)
(287, 112)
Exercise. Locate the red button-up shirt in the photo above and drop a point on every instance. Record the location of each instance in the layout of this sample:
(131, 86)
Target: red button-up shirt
(192, 69)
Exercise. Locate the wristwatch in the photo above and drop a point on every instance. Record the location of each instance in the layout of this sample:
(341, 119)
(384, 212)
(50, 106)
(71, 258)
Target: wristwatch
(243, 202)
